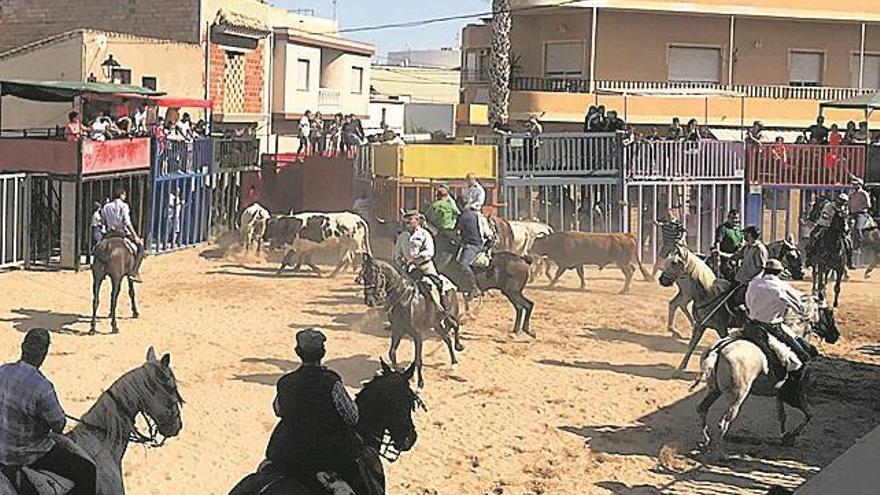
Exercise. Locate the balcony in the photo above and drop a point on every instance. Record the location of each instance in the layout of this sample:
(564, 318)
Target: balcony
(580, 85)
(57, 156)
(805, 165)
(329, 100)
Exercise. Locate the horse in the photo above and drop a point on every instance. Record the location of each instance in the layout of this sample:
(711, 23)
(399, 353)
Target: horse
(736, 367)
(113, 257)
(507, 272)
(698, 282)
(828, 253)
(791, 257)
(410, 311)
(385, 404)
(104, 432)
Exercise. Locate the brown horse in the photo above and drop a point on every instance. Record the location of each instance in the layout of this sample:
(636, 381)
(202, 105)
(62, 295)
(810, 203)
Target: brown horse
(113, 258)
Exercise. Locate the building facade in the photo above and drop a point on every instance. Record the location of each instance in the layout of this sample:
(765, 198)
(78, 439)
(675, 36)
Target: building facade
(768, 60)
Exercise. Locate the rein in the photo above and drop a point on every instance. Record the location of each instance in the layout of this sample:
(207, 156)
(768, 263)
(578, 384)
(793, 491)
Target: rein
(134, 434)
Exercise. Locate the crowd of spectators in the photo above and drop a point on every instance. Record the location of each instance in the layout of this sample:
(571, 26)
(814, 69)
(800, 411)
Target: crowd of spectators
(127, 120)
(329, 136)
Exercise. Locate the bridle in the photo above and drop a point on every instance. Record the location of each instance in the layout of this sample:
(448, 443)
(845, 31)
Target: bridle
(387, 450)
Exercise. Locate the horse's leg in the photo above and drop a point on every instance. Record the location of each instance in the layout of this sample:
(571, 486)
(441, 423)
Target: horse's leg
(837, 284)
(288, 258)
(417, 341)
(712, 394)
(456, 312)
(116, 283)
(580, 271)
(131, 295)
(519, 311)
(97, 279)
(733, 408)
(780, 413)
(344, 261)
(529, 306)
(696, 335)
(680, 301)
(559, 271)
(803, 406)
(396, 335)
(307, 260)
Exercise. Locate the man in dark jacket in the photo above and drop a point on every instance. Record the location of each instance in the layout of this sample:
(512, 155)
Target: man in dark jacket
(468, 228)
(317, 420)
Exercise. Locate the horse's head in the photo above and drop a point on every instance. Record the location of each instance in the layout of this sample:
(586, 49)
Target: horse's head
(674, 266)
(159, 398)
(386, 405)
(375, 281)
(791, 259)
(816, 209)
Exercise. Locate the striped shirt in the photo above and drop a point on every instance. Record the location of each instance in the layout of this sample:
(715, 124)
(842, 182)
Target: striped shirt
(29, 409)
(672, 232)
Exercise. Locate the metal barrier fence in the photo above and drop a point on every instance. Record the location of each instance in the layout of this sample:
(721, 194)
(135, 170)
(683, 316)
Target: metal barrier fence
(562, 154)
(684, 160)
(181, 199)
(13, 216)
(97, 190)
(236, 153)
(805, 164)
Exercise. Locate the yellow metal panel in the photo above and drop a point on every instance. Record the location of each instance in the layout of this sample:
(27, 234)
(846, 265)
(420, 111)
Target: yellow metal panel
(386, 160)
(448, 161)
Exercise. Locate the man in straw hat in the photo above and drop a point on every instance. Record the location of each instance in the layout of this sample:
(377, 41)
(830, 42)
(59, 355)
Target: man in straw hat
(317, 419)
(860, 211)
(30, 413)
(768, 298)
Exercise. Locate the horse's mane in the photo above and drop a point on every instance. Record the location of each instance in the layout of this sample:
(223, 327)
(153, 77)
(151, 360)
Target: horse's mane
(700, 272)
(379, 391)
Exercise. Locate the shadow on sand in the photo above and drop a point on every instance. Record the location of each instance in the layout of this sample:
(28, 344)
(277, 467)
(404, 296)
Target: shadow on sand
(660, 343)
(53, 321)
(656, 371)
(845, 410)
(354, 370)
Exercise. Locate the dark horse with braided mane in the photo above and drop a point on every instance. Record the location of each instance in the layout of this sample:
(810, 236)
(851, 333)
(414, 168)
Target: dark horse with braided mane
(411, 312)
(114, 258)
(385, 405)
(507, 272)
(829, 253)
(105, 430)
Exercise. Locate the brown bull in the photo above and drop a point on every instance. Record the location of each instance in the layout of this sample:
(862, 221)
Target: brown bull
(573, 250)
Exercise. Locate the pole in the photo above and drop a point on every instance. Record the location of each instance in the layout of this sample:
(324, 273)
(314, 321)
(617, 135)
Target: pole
(595, 25)
(862, 60)
(730, 53)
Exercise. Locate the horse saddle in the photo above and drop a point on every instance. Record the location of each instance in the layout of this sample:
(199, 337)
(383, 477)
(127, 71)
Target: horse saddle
(439, 282)
(27, 481)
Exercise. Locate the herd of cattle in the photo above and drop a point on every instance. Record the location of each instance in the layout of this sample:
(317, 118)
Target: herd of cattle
(302, 234)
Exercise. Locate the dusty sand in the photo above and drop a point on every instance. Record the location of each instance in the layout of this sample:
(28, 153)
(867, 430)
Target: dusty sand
(586, 408)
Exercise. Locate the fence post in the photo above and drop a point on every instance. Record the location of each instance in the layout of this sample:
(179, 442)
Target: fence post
(27, 219)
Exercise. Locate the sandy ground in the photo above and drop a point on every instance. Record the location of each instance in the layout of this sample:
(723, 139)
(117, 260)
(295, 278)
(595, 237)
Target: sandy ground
(586, 408)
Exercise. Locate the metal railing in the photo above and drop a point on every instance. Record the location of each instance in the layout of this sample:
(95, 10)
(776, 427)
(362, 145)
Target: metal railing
(181, 157)
(805, 164)
(236, 153)
(329, 99)
(684, 160)
(562, 154)
(581, 85)
(13, 209)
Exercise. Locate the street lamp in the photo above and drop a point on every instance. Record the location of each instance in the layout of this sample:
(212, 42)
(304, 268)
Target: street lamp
(108, 65)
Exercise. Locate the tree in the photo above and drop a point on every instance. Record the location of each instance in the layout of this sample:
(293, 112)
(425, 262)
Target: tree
(499, 74)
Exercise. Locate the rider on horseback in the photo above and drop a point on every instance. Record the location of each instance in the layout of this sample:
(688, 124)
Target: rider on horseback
(860, 211)
(415, 248)
(751, 258)
(823, 224)
(318, 418)
(29, 413)
(468, 229)
(729, 240)
(768, 298)
(117, 219)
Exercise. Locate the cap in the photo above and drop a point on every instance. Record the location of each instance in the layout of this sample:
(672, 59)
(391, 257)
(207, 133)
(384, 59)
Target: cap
(857, 181)
(37, 339)
(774, 264)
(411, 213)
(310, 340)
(843, 197)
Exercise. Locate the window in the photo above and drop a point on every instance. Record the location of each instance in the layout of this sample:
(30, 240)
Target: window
(564, 59)
(149, 82)
(233, 83)
(357, 80)
(470, 65)
(121, 76)
(805, 68)
(476, 65)
(694, 64)
(871, 78)
(303, 70)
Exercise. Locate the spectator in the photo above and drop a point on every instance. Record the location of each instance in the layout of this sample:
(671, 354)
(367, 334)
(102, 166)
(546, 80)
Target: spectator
(358, 128)
(850, 133)
(817, 133)
(861, 136)
(675, 132)
(334, 133)
(755, 135)
(74, 129)
(800, 140)
(175, 207)
(834, 137)
(534, 127)
(140, 121)
(598, 121)
(97, 224)
(692, 132)
(201, 129)
(316, 134)
(184, 128)
(614, 124)
(590, 112)
(305, 129)
(100, 128)
(779, 152)
(654, 135)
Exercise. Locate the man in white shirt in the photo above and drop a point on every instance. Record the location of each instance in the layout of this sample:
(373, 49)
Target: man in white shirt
(476, 195)
(768, 299)
(415, 249)
(140, 120)
(117, 220)
(305, 129)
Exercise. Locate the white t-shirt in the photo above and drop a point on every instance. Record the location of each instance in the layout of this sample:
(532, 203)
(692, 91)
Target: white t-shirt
(99, 129)
(305, 126)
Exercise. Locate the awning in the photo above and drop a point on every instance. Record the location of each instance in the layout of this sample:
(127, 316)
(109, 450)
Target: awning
(767, 136)
(63, 91)
(867, 102)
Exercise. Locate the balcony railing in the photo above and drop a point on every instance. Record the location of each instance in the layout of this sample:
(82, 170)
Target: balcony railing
(596, 155)
(684, 160)
(236, 153)
(805, 164)
(329, 100)
(580, 85)
(172, 157)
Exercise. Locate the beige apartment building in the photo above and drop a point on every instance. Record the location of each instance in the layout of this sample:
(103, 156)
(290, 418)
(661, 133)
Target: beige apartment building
(739, 61)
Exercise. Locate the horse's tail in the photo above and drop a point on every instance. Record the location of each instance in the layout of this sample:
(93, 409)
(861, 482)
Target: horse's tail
(707, 368)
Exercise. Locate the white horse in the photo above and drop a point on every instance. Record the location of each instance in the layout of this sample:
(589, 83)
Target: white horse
(735, 367)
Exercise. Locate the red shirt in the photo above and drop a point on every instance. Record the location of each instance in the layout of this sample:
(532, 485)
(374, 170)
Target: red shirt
(834, 138)
(73, 131)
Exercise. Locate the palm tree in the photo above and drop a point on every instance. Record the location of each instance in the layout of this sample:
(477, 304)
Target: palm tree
(499, 74)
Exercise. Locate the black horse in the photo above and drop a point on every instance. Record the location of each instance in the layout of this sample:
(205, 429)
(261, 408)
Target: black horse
(411, 312)
(386, 405)
(828, 253)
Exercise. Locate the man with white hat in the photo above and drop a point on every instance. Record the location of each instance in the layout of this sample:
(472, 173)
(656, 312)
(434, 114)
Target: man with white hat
(317, 419)
(768, 299)
(860, 211)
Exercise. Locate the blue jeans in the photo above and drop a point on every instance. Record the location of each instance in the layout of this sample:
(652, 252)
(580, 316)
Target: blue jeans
(466, 258)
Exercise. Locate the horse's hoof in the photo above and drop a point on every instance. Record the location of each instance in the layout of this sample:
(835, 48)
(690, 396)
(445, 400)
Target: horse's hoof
(114, 331)
(92, 331)
(459, 348)
(135, 316)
